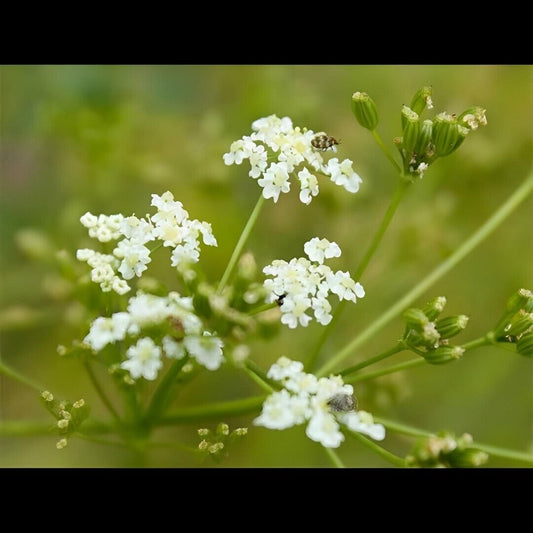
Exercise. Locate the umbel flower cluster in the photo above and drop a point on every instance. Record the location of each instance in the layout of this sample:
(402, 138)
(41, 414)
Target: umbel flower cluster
(171, 225)
(302, 284)
(325, 404)
(276, 149)
(161, 334)
(180, 333)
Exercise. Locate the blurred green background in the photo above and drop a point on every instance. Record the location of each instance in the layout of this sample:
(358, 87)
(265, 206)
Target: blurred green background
(79, 138)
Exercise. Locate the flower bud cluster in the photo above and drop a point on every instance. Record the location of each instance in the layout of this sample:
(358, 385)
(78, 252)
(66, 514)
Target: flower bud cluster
(429, 335)
(444, 450)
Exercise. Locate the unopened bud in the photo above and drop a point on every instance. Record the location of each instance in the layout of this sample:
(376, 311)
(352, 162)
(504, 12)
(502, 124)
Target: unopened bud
(410, 129)
(63, 423)
(203, 432)
(434, 307)
(521, 299)
(445, 134)
(524, 345)
(60, 444)
(515, 325)
(364, 110)
(451, 325)
(473, 117)
(424, 137)
(78, 404)
(467, 458)
(443, 354)
(421, 99)
(47, 396)
(223, 429)
(415, 317)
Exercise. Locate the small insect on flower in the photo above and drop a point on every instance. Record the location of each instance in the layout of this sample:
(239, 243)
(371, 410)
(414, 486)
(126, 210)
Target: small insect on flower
(343, 403)
(323, 141)
(279, 300)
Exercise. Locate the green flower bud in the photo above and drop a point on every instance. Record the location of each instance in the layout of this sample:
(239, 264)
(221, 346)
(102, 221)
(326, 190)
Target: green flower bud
(524, 345)
(467, 458)
(445, 134)
(443, 354)
(462, 133)
(450, 326)
(424, 137)
(364, 110)
(434, 307)
(415, 317)
(515, 325)
(522, 299)
(472, 118)
(421, 99)
(410, 128)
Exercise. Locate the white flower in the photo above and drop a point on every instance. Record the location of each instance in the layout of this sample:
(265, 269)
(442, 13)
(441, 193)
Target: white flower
(306, 283)
(324, 428)
(277, 412)
(284, 368)
(137, 230)
(173, 349)
(362, 422)
(309, 186)
(144, 359)
(89, 220)
(344, 286)
(319, 249)
(276, 139)
(305, 398)
(343, 174)
(168, 209)
(148, 309)
(105, 330)
(275, 180)
(206, 349)
(293, 309)
(134, 257)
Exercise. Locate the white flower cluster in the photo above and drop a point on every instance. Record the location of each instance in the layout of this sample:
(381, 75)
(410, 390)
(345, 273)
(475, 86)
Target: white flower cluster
(171, 224)
(306, 398)
(144, 356)
(302, 284)
(291, 147)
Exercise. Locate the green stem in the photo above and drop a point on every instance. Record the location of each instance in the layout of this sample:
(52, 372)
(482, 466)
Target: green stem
(100, 440)
(261, 308)
(394, 350)
(213, 411)
(493, 450)
(504, 453)
(160, 397)
(475, 239)
(335, 459)
(382, 452)
(258, 376)
(386, 151)
(476, 343)
(385, 371)
(17, 376)
(394, 203)
(241, 242)
(254, 367)
(100, 391)
(325, 334)
(403, 428)
(26, 428)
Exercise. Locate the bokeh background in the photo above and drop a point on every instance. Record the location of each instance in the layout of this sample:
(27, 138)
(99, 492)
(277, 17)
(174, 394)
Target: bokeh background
(102, 138)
